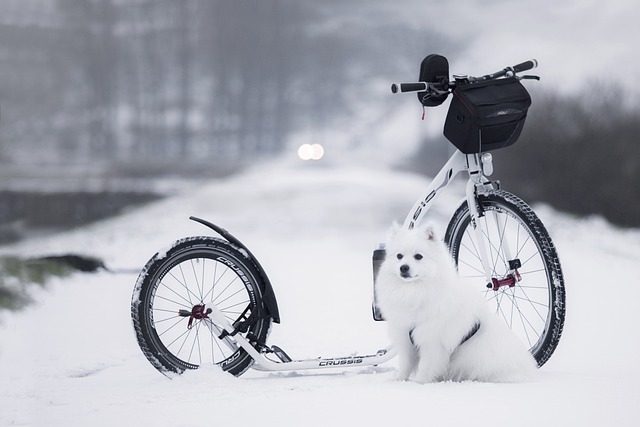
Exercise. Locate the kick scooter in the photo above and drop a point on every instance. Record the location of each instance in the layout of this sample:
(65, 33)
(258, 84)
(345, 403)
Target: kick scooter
(207, 300)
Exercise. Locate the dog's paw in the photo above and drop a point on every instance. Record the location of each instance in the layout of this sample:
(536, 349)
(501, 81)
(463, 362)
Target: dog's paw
(425, 379)
(402, 376)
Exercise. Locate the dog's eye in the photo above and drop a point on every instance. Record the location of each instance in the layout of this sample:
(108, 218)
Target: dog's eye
(418, 256)
(399, 256)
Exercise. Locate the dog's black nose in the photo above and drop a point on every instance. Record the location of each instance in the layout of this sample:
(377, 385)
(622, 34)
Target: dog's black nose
(404, 270)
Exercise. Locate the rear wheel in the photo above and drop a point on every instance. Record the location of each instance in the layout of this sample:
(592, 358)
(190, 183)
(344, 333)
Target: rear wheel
(171, 301)
(530, 300)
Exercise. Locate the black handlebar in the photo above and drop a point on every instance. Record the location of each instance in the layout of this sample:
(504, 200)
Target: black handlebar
(409, 87)
(509, 71)
(429, 86)
(526, 65)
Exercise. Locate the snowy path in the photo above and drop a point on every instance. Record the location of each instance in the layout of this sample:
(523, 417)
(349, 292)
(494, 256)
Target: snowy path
(72, 359)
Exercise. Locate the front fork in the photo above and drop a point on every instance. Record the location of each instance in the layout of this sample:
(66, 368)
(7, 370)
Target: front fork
(479, 168)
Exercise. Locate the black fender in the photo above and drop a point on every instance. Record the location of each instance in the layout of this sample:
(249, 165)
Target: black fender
(269, 297)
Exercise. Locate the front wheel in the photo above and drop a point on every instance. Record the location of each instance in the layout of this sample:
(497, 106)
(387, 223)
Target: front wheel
(171, 300)
(530, 300)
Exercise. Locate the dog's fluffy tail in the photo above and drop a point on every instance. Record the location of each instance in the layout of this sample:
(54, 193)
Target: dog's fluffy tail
(493, 354)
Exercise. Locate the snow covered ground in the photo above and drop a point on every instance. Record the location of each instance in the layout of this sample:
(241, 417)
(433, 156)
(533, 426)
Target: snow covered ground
(72, 359)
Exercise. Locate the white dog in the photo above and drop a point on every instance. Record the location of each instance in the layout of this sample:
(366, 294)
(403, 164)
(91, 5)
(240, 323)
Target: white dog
(442, 328)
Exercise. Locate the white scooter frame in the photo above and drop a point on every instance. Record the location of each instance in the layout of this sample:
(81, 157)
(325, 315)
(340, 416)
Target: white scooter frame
(478, 166)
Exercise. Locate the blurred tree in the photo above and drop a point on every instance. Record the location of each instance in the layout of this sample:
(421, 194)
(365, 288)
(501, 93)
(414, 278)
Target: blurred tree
(169, 84)
(580, 154)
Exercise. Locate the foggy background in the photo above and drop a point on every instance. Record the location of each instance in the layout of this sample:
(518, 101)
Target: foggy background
(110, 102)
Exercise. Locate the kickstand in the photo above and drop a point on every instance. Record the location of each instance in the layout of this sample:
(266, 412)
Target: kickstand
(284, 357)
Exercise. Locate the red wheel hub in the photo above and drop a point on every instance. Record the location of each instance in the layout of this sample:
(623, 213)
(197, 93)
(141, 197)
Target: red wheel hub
(198, 312)
(509, 281)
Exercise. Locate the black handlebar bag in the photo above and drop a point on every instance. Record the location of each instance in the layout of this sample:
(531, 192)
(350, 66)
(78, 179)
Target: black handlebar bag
(487, 115)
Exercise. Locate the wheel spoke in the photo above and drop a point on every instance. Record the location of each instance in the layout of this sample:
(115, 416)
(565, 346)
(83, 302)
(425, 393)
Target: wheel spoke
(177, 294)
(195, 278)
(183, 283)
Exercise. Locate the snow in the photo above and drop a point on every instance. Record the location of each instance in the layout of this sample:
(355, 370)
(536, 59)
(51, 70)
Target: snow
(72, 359)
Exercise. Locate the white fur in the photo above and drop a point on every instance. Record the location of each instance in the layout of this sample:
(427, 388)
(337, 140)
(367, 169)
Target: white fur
(438, 310)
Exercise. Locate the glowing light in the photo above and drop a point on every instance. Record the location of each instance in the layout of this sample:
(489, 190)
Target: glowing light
(311, 151)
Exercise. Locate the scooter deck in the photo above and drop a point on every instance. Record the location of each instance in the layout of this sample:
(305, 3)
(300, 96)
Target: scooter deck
(262, 363)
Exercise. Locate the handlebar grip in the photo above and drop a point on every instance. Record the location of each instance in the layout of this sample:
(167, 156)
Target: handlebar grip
(527, 65)
(408, 87)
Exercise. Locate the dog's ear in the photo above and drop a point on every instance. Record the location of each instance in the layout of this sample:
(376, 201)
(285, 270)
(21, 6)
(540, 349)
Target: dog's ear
(430, 232)
(393, 230)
